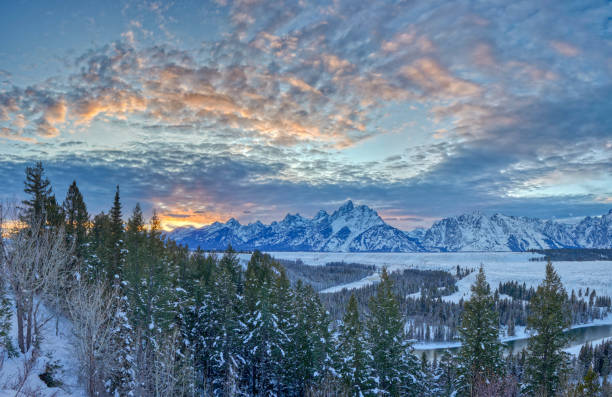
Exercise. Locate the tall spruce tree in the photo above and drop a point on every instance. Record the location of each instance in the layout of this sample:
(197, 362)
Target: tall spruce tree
(354, 356)
(121, 380)
(77, 218)
(98, 254)
(546, 364)
(309, 350)
(397, 369)
(480, 355)
(117, 242)
(135, 245)
(265, 340)
(41, 205)
(224, 328)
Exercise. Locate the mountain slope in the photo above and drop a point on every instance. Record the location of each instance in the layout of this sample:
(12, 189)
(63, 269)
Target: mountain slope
(350, 228)
(360, 229)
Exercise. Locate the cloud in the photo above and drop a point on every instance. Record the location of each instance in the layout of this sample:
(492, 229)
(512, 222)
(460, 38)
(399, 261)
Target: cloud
(434, 79)
(476, 106)
(565, 48)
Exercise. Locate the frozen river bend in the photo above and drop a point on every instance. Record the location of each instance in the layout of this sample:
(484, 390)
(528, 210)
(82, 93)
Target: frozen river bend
(499, 267)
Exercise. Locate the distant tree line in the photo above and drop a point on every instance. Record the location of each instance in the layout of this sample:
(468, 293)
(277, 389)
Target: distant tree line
(572, 254)
(326, 276)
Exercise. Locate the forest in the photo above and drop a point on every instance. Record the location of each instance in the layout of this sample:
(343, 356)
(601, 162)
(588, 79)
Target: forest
(152, 318)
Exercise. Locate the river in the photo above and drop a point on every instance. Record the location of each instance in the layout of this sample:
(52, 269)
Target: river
(579, 336)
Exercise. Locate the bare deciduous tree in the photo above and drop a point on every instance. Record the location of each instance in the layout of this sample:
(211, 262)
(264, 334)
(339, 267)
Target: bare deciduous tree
(35, 259)
(91, 312)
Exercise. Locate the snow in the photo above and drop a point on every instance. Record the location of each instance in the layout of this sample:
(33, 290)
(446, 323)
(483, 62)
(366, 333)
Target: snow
(575, 350)
(360, 229)
(52, 348)
(498, 266)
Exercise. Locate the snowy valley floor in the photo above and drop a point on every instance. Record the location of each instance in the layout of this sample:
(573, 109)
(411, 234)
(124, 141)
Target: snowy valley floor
(498, 266)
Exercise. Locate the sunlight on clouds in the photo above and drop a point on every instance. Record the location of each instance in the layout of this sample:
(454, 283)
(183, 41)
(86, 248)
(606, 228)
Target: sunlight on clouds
(434, 79)
(564, 48)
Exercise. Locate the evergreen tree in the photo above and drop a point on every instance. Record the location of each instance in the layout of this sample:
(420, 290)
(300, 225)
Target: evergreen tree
(546, 362)
(99, 252)
(223, 328)
(589, 387)
(309, 352)
(446, 375)
(136, 246)
(77, 218)
(480, 355)
(355, 359)
(41, 206)
(265, 340)
(154, 306)
(116, 243)
(122, 377)
(396, 367)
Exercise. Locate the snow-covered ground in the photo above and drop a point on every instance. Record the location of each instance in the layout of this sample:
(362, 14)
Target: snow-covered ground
(53, 348)
(498, 266)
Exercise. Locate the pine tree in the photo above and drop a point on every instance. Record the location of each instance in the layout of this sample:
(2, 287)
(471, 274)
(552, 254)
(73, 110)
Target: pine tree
(116, 243)
(41, 206)
(546, 363)
(154, 306)
(77, 218)
(99, 254)
(121, 380)
(396, 367)
(224, 329)
(446, 375)
(135, 245)
(309, 352)
(355, 359)
(265, 340)
(589, 387)
(480, 355)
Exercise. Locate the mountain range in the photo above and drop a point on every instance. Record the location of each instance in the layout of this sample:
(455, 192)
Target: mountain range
(354, 228)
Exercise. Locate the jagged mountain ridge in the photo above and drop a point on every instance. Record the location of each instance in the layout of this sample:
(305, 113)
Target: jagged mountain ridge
(360, 229)
(348, 229)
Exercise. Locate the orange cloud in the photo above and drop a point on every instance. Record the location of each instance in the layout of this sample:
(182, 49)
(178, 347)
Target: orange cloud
(564, 48)
(111, 102)
(434, 78)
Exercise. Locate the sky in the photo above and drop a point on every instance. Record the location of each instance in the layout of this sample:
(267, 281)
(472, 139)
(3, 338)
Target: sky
(252, 109)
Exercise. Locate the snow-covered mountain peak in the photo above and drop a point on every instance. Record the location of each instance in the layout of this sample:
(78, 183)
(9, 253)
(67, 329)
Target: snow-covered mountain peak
(233, 223)
(346, 207)
(360, 228)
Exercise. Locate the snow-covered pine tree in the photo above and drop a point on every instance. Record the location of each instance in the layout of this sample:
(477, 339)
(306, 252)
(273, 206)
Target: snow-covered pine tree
(354, 356)
(480, 355)
(197, 313)
(546, 364)
(223, 328)
(265, 340)
(117, 239)
(121, 379)
(396, 367)
(446, 375)
(307, 357)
